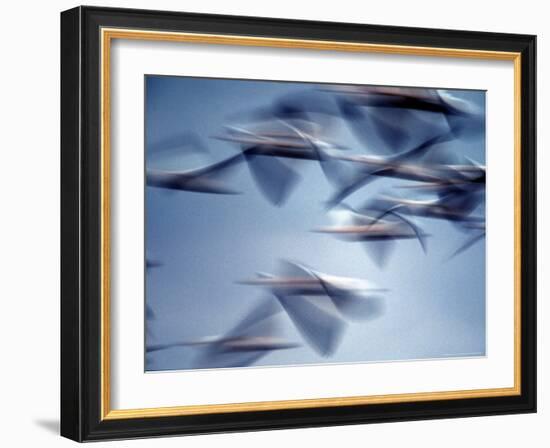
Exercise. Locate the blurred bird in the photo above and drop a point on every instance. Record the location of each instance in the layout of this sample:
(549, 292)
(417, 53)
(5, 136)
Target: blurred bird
(415, 98)
(268, 144)
(300, 290)
(209, 179)
(477, 229)
(367, 168)
(377, 235)
(454, 207)
(308, 105)
(251, 339)
(396, 115)
(418, 170)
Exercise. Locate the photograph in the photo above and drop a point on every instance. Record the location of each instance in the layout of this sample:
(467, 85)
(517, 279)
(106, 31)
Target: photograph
(296, 223)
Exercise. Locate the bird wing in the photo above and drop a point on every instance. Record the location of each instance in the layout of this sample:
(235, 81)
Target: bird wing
(294, 269)
(274, 178)
(372, 129)
(379, 251)
(257, 322)
(320, 327)
(364, 176)
(469, 243)
(352, 305)
(218, 167)
(189, 140)
(260, 314)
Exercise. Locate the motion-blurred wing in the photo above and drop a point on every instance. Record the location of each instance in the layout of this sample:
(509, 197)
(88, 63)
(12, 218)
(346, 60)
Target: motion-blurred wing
(308, 105)
(293, 269)
(149, 313)
(274, 178)
(187, 140)
(303, 105)
(220, 169)
(380, 251)
(421, 149)
(462, 202)
(259, 316)
(467, 126)
(257, 322)
(415, 228)
(469, 243)
(387, 126)
(215, 172)
(372, 128)
(345, 216)
(353, 306)
(391, 127)
(361, 179)
(321, 328)
(338, 172)
(360, 308)
(364, 176)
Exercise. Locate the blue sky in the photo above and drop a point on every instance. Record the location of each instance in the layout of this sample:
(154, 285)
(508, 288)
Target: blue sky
(434, 308)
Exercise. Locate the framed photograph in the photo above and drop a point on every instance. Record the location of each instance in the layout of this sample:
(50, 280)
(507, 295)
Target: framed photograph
(275, 224)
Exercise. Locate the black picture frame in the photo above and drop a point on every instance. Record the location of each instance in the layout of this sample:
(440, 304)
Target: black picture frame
(81, 381)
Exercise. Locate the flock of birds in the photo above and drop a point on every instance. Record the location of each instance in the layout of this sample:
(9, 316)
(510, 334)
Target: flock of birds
(411, 129)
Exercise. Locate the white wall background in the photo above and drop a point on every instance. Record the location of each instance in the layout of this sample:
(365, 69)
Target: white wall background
(29, 236)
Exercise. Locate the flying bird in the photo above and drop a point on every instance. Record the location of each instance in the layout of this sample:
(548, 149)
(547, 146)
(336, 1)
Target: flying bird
(301, 290)
(395, 115)
(269, 147)
(251, 339)
(455, 207)
(477, 230)
(377, 235)
(208, 179)
(368, 168)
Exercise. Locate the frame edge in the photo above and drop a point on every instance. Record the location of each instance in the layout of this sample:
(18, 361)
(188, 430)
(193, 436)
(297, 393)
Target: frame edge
(529, 222)
(71, 350)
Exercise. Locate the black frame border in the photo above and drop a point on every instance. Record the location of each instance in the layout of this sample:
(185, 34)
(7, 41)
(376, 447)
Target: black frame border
(81, 223)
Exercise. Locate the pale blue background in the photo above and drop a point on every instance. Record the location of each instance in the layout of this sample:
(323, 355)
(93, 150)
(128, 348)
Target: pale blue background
(435, 308)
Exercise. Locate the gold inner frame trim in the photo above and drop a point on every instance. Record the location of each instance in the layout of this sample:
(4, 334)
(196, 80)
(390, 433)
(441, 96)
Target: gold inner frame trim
(107, 35)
